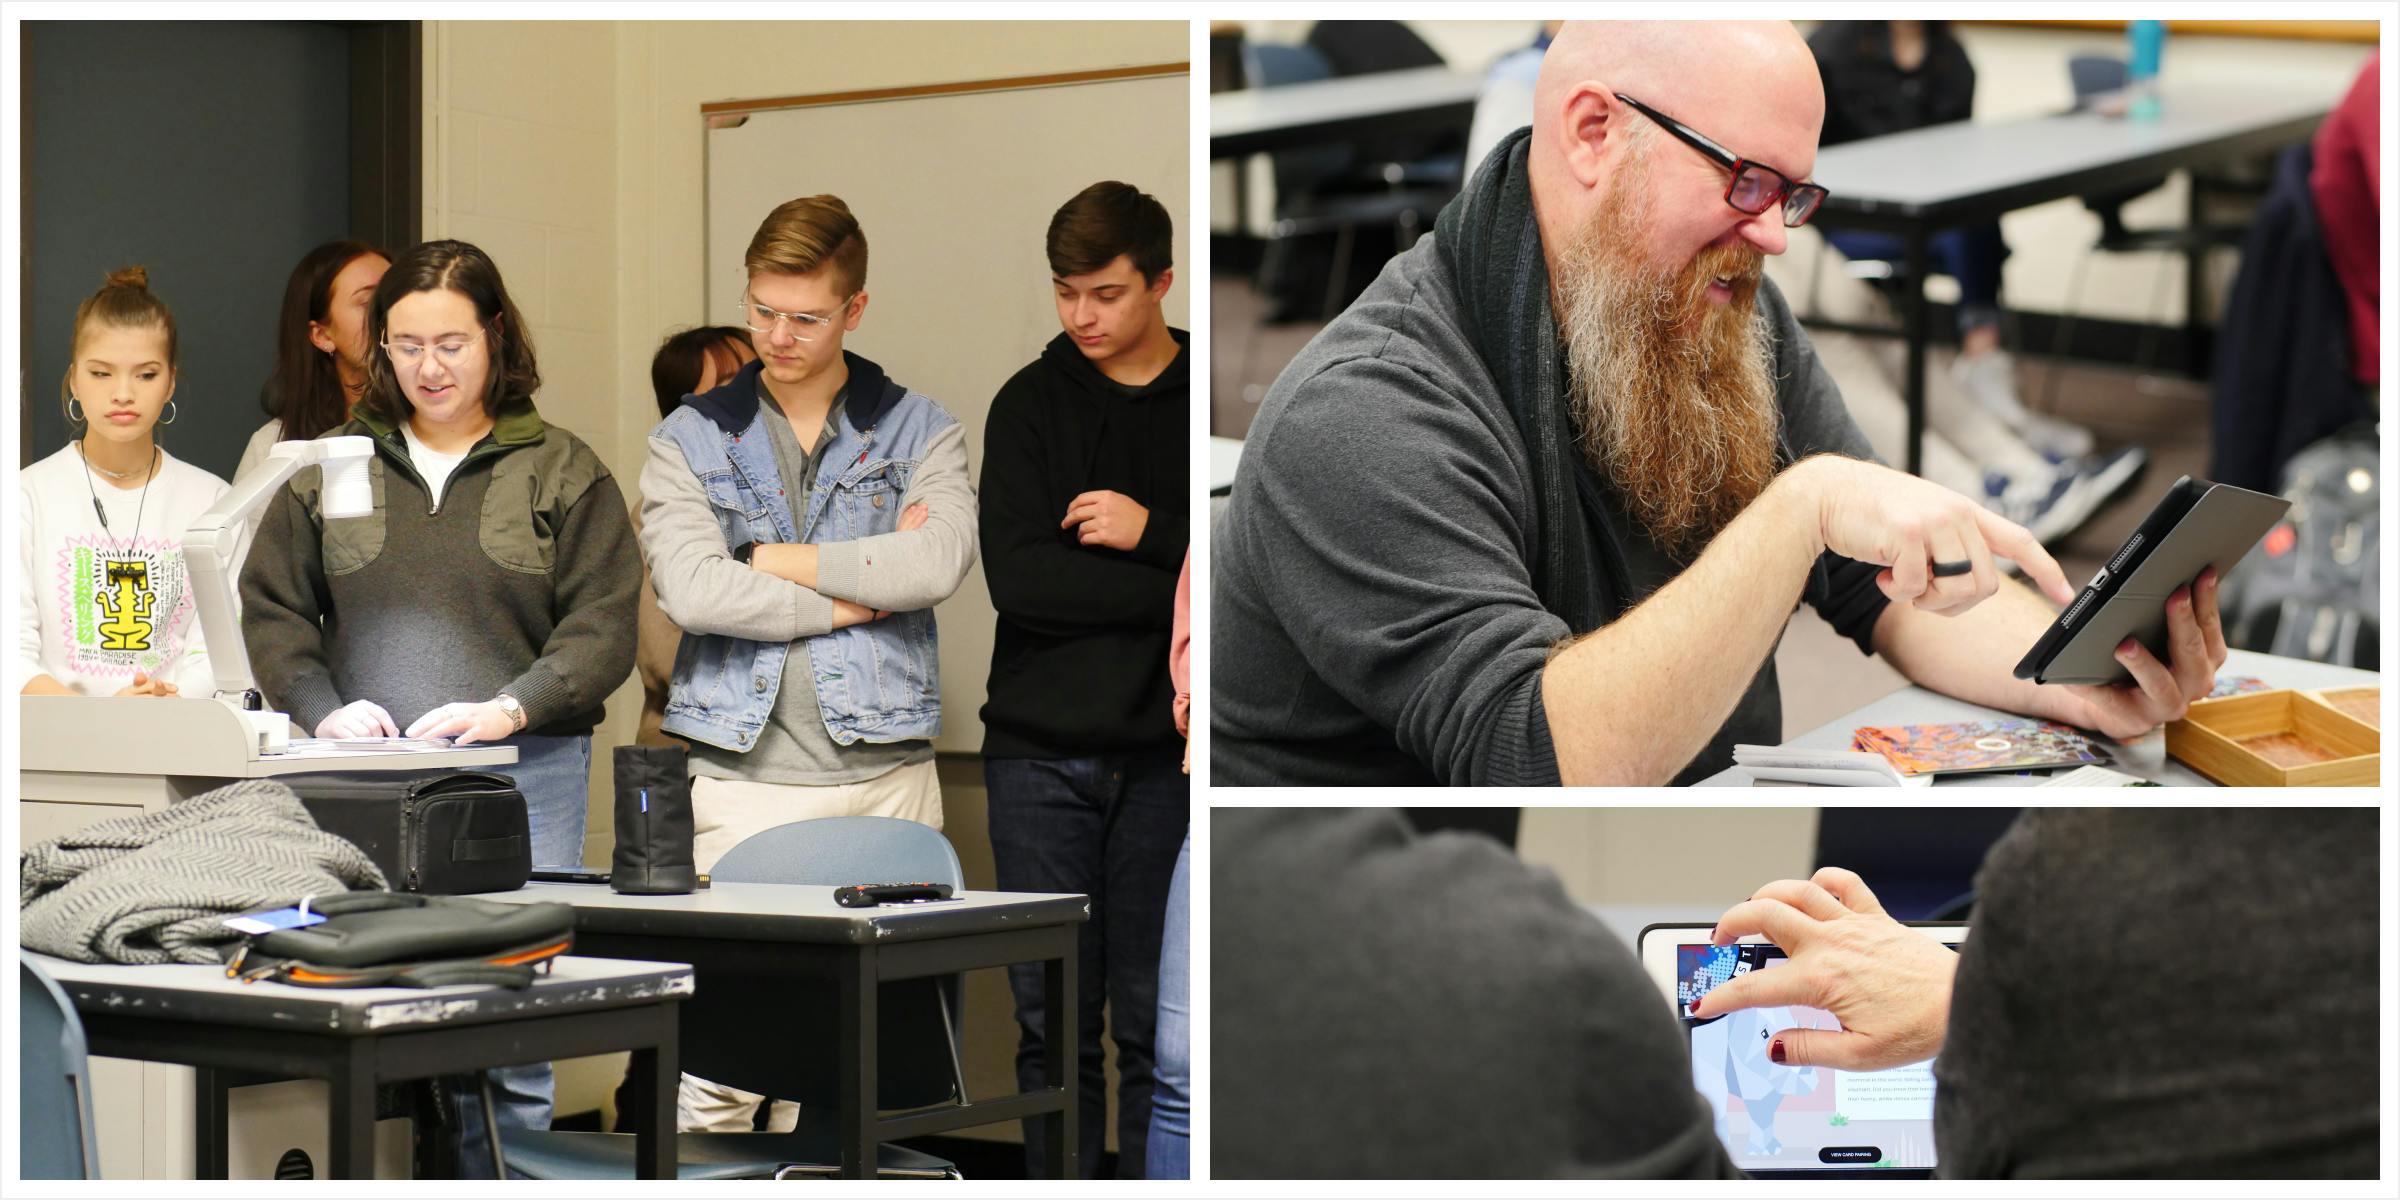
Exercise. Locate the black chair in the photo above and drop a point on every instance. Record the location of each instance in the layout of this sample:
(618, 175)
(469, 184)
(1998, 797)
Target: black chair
(743, 1027)
(1399, 180)
(2095, 77)
(1921, 862)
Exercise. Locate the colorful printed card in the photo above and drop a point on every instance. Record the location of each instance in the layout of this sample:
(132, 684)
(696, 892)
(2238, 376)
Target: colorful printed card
(1967, 746)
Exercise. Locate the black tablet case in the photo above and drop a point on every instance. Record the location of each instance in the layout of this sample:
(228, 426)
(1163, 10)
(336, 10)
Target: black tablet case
(2196, 525)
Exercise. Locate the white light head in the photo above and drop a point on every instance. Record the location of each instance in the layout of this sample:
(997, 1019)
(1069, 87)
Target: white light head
(349, 492)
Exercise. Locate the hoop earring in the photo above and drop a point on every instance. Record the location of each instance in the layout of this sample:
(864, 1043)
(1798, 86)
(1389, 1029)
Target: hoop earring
(169, 419)
(74, 411)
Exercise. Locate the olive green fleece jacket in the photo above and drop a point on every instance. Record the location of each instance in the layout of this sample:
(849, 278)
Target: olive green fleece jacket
(521, 580)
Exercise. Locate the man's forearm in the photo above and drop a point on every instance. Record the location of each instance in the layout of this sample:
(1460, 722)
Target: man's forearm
(795, 561)
(1633, 701)
(1971, 656)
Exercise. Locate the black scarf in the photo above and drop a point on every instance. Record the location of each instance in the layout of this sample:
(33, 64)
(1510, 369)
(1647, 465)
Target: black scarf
(1492, 248)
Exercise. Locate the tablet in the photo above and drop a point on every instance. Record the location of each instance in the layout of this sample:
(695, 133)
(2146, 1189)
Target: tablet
(1791, 1122)
(2196, 525)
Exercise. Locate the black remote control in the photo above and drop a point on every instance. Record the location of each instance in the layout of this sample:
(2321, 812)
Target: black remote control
(868, 895)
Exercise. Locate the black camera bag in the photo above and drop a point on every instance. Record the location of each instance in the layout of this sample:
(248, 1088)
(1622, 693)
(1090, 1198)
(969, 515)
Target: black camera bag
(442, 833)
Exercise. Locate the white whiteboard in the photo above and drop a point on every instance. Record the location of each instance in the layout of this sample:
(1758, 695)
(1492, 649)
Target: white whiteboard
(954, 194)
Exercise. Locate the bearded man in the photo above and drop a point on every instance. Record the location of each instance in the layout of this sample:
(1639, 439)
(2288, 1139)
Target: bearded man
(1536, 508)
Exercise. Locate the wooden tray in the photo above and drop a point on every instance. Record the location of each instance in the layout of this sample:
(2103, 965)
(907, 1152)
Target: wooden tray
(2364, 703)
(2276, 739)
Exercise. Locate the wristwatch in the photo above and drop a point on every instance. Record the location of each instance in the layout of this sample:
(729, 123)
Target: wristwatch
(516, 712)
(741, 553)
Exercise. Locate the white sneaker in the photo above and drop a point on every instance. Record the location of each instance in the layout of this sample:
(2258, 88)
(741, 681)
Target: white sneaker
(2053, 505)
(1991, 381)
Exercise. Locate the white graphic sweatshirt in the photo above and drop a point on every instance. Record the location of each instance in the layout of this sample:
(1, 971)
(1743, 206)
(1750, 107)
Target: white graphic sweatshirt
(95, 604)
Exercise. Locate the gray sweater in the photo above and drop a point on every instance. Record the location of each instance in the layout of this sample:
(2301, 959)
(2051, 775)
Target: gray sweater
(521, 579)
(156, 887)
(1374, 618)
(2187, 992)
(1389, 1005)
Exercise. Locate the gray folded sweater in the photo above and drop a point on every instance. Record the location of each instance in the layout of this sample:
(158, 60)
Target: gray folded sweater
(156, 888)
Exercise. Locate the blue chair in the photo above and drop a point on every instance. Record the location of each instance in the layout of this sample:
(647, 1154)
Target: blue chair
(733, 1026)
(54, 1083)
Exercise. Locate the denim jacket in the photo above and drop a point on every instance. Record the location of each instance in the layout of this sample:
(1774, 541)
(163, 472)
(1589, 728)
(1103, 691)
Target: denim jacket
(877, 681)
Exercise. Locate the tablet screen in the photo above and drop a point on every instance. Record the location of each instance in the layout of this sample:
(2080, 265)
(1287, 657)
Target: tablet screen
(1789, 1118)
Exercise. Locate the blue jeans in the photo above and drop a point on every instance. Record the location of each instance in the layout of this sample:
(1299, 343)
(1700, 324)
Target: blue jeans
(1108, 827)
(1170, 1149)
(555, 774)
(1972, 255)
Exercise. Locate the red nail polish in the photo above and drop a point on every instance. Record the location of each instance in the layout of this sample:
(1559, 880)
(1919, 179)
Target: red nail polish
(1775, 1050)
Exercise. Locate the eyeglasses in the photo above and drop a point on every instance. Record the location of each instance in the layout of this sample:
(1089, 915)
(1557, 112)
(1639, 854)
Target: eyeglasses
(411, 354)
(1755, 185)
(805, 326)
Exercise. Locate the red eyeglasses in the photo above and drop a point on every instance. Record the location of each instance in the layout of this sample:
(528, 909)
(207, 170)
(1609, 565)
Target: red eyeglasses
(1756, 186)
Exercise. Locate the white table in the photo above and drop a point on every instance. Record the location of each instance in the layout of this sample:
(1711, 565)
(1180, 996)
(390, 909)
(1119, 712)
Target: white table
(1224, 457)
(1921, 181)
(1259, 119)
(355, 1038)
(85, 759)
(2145, 756)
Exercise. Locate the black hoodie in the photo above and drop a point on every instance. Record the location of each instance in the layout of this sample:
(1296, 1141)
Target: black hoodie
(1079, 662)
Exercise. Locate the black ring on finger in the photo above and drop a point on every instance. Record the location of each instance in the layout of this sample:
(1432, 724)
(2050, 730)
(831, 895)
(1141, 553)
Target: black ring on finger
(1943, 570)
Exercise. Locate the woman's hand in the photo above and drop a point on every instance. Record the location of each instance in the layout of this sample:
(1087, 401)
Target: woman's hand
(358, 719)
(147, 685)
(465, 723)
(1887, 984)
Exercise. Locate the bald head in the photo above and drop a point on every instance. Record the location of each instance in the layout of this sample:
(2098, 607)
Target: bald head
(1750, 86)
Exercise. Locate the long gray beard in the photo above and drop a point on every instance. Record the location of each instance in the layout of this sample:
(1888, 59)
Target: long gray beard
(1682, 424)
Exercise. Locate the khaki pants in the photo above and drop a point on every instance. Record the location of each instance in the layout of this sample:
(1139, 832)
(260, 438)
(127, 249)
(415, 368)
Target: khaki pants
(727, 811)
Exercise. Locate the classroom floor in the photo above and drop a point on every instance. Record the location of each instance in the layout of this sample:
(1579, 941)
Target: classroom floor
(1822, 674)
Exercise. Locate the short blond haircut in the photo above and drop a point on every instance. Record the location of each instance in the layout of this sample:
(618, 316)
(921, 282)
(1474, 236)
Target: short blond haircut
(803, 235)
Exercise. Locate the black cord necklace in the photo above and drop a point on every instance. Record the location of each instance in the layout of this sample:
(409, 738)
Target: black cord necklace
(102, 512)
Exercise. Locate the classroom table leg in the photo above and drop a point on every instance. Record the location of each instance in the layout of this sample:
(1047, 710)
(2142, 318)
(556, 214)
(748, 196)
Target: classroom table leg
(858, 1083)
(211, 1131)
(350, 1126)
(2195, 278)
(1912, 317)
(1058, 1057)
(654, 1073)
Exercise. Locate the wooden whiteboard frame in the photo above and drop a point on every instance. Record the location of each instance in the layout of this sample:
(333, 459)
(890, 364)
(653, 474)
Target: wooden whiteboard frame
(731, 114)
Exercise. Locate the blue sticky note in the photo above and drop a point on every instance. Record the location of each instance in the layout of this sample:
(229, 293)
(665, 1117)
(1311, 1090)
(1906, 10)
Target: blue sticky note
(269, 922)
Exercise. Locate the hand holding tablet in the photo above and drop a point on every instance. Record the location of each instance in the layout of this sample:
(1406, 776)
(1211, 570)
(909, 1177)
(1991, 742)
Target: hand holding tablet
(1888, 984)
(2146, 630)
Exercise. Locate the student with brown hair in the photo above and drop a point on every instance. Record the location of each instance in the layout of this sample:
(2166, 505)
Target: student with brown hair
(687, 364)
(800, 521)
(1086, 486)
(103, 605)
(490, 595)
(320, 346)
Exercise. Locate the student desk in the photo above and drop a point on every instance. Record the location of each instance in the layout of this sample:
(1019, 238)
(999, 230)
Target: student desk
(1224, 459)
(796, 930)
(357, 1038)
(1922, 181)
(2145, 756)
(1256, 120)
